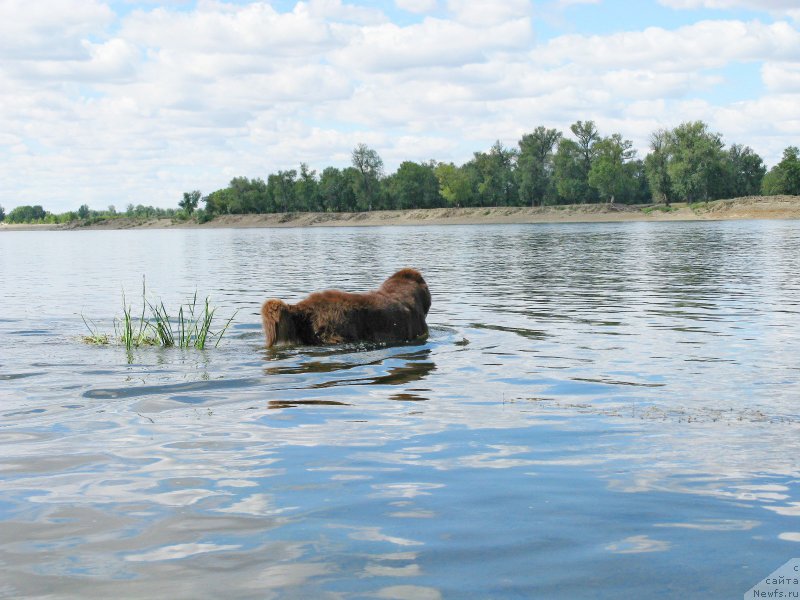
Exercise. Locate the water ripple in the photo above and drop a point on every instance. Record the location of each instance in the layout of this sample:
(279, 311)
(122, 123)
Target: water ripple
(613, 399)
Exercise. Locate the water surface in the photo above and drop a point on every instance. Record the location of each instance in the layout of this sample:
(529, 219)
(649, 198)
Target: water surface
(601, 410)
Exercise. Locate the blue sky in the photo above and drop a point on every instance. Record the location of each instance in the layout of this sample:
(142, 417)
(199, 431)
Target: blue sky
(135, 102)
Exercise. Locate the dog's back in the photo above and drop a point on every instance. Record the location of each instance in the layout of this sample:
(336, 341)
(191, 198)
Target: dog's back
(395, 312)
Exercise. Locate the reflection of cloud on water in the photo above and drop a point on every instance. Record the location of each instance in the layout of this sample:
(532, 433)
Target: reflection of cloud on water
(766, 493)
(260, 505)
(695, 450)
(236, 448)
(709, 459)
(178, 551)
(714, 525)
(236, 483)
(493, 457)
(408, 592)
(182, 497)
(374, 534)
(404, 490)
(791, 509)
(375, 570)
(413, 514)
(638, 544)
(133, 551)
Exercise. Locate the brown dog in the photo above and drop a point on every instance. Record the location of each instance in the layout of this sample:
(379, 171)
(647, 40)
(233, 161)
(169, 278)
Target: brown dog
(395, 312)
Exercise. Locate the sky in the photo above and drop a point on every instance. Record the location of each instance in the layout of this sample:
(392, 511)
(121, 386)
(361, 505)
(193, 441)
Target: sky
(126, 101)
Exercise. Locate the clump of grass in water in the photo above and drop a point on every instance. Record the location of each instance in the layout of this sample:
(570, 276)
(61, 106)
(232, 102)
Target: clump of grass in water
(95, 337)
(190, 329)
(130, 335)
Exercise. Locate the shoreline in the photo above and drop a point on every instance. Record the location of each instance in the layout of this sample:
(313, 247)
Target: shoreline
(751, 207)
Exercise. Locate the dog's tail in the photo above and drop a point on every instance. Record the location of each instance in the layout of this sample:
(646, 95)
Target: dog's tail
(278, 323)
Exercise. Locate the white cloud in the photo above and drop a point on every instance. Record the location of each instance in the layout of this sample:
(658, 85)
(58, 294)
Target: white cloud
(787, 8)
(781, 77)
(488, 12)
(335, 9)
(252, 29)
(770, 5)
(105, 109)
(53, 29)
(432, 43)
(115, 59)
(687, 48)
(417, 6)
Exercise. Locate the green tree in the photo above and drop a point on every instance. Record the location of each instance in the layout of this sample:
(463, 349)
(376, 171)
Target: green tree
(497, 186)
(247, 196)
(282, 191)
(353, 179)
(84, 212)
(784, 178)
(573, 162)
(744, 171)
(307, 192)
(608, 174)
(790, 166)
(190, 201)
(535, 165)
(219, 202)
(656, 166)
(472, 174)
(640, 192)
(337, 189)
(770, 185)
(2, 214)
(572, 183)
(26, 214)
(454, 184)
(587, 135)
(367, 162)
(696, 164)
(414, 185)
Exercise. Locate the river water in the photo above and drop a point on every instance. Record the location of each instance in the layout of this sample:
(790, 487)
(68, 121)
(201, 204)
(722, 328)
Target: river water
(600, 411)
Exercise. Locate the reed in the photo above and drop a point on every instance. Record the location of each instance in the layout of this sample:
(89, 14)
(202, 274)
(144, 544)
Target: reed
(131, 333)
(95, 337)
(190, 328)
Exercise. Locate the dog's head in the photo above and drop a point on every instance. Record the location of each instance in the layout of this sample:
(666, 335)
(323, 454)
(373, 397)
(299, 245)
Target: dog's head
(279, 326)
(411, 280)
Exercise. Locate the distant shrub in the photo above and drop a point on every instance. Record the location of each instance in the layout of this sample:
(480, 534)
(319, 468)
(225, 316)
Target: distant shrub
(26, 214)
(203, 216)
(664, 208)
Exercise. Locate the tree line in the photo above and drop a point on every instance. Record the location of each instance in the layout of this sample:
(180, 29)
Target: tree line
(547, 167)
(688, 163)
(37, 214)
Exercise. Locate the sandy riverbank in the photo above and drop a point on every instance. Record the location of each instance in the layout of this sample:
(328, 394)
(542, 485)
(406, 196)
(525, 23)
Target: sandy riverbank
(753, 207)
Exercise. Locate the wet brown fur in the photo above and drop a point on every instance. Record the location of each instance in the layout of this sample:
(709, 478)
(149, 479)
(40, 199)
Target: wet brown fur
(394, 312)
